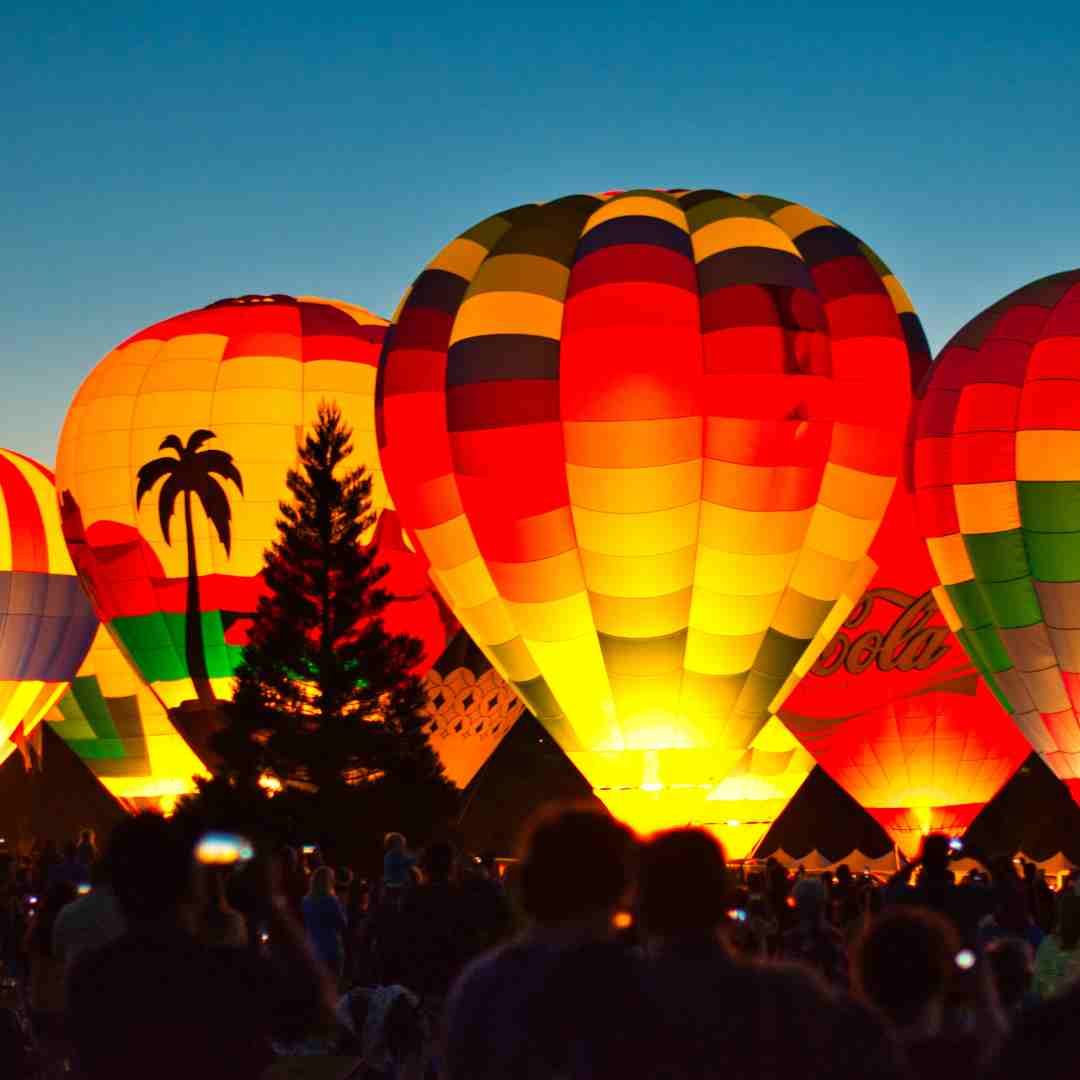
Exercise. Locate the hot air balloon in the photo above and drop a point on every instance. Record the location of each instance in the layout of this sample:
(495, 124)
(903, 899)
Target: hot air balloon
(470, 707)
(892, 708)
(645, 439)
(46, 621)
(997, 474)
(172, 462)
(121, 732)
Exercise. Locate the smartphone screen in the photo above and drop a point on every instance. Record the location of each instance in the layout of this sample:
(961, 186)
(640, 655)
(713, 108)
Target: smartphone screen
(965, 959)
(223, 849)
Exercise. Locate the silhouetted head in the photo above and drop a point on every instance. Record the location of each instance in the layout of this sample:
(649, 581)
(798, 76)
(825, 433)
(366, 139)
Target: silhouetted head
(935, 854)
(150, 867)
(322, 882)
(1069, 921)
(437, 861)
(393, 841)
(843, 873)
(1012, 965)
(809, 897)
(683, 887)
(577, 865)
(904, 962)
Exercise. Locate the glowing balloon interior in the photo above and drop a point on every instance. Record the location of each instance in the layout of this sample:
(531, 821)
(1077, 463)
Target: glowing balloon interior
(738, 810)
(645, 440)
(997, 470)
(46, 621)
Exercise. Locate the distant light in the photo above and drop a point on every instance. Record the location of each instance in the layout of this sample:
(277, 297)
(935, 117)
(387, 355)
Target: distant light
(652, 787)
(733, 824)
(270, 784)
(622, 920)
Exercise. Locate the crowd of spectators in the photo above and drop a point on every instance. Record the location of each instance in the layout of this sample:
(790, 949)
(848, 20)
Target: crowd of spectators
(605, 956)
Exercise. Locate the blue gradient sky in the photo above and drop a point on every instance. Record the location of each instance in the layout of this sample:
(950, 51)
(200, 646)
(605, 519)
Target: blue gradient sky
(155, 160)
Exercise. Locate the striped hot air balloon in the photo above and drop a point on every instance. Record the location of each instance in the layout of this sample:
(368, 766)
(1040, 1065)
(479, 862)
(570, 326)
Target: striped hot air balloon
(997, 472)
(121, 732)
(172, 463)
(46, 620)
(645, 440)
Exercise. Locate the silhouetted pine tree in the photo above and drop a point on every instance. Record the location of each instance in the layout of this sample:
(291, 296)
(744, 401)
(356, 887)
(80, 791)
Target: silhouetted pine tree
(324, 698)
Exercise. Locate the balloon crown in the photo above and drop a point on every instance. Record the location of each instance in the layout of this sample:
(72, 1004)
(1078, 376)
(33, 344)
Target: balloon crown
(251, 299)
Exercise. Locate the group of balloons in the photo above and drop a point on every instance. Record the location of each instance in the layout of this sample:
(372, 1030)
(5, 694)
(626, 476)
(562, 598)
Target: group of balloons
(676, 462)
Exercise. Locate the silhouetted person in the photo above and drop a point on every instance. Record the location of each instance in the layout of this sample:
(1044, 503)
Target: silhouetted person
(440, 929)
(813, 940)
(1057, 961)
(1012, 965)
(905, 964)
(325, 922)
(70, 869)
(937, 889)
(1042, 1041)
(712, 1015)
(91, 920)
(85, 851)
(565, 998)
(47, 968)
(218, 923)
(157, 1002)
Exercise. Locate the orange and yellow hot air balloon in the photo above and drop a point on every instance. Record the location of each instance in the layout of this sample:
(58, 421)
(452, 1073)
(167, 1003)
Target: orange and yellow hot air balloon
(46, 620)
(172, 463)
(645, 440)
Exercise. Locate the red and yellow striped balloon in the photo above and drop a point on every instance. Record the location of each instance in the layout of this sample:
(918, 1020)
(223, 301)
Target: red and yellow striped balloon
(645, 440)
(46, 620)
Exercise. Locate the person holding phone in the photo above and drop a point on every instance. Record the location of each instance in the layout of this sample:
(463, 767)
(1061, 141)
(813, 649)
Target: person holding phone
(936, 889)
(157, 1001)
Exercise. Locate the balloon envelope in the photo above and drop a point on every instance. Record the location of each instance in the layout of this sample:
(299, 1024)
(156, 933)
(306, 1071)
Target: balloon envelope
(893, 709)
(997, 471)
(645, 439)
(234, 384)
(121, 732)
(471, 709)
(46, 620)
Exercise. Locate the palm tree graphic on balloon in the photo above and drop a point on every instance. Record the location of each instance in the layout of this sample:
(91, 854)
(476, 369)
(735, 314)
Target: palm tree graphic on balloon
(192, 474)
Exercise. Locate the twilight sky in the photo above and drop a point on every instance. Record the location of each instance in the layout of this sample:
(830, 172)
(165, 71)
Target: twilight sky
(155, 159)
